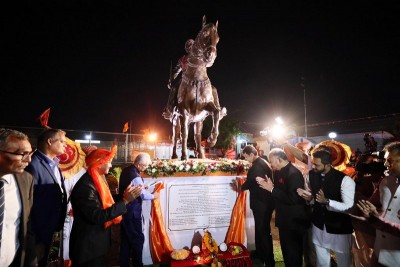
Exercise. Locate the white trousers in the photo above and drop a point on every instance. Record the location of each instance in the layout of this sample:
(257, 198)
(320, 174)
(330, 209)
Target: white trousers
(324, 257)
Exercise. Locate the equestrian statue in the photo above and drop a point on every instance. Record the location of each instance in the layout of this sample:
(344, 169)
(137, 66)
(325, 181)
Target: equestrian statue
(192, 97)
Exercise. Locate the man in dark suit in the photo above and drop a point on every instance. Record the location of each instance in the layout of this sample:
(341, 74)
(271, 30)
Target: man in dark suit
(49, 198)
(261, 203)
(95, 211)
(16, 239)
(291, 215)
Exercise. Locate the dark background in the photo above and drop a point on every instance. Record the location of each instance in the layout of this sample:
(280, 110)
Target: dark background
(98, 64)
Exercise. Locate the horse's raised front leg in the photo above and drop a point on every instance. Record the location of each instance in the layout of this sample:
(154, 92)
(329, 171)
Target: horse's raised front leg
(184, 121)
(198, 128)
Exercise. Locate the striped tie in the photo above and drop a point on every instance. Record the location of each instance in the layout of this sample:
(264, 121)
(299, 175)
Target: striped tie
(1, 208)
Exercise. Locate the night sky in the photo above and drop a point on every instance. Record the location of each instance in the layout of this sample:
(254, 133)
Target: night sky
(98, 64)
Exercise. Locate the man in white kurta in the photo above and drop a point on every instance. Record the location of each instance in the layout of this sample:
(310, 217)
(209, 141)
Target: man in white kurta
(340, 244)
(332, 193)
(387, 246)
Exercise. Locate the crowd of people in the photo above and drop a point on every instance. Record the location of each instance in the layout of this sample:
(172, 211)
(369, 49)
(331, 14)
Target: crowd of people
(323, 213)
(34, 200)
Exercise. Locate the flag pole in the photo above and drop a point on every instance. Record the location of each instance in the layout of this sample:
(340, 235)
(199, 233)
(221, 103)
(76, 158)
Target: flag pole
(130, 139)
(126, 148)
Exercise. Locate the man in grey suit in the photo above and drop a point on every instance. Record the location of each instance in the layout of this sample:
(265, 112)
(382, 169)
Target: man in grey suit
(16, 188)
(50, 199)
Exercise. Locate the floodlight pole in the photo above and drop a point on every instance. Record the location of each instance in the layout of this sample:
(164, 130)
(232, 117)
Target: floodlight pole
(305, 105)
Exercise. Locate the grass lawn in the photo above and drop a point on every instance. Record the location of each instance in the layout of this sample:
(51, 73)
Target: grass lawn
(278, 259)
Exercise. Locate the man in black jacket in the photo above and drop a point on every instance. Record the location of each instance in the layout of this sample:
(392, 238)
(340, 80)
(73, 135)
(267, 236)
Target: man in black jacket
(261, 204)
(95, 211)
(291, 210)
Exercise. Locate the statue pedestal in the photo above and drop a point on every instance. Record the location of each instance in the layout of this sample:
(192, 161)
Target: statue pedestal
(190, 204)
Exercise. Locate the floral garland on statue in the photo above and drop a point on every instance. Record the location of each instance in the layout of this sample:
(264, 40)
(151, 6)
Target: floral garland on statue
(169, 167)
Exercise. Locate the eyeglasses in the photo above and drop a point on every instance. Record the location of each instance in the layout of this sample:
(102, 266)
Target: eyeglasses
(24, 155)
(144, 165)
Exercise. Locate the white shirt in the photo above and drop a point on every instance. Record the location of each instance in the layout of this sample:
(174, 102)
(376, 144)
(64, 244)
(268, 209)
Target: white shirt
(339, 243)
(347, 191)
(69, 185)
(387, 246)
(12, 215)
(53, 163)
(145, 195)
(54, 166)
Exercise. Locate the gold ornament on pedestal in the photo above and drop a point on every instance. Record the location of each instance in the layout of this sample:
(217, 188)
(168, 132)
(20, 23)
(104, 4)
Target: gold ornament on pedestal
(209, 247)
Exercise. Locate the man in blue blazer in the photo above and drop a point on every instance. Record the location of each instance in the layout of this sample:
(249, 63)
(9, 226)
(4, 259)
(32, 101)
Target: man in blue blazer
(49, 198)
(132, 237)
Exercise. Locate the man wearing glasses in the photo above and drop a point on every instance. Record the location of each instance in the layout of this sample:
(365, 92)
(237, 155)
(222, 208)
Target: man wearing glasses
(16, 199)
(132, 237)
(49, 198)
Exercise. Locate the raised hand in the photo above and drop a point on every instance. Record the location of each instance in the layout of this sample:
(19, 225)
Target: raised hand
(320, 197)
(367, 208)
(235, 185)
(131, 192)
(304, 193)
(265, 183)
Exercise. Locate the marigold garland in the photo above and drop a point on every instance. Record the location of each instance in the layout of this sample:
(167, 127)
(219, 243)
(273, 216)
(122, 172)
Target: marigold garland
(168, 168)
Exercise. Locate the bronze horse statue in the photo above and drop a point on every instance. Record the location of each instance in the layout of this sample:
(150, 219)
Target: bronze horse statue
(195, 94)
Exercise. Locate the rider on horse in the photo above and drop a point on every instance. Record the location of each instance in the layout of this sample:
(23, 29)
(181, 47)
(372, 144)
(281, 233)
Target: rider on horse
(175, 80)
(192, 97)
